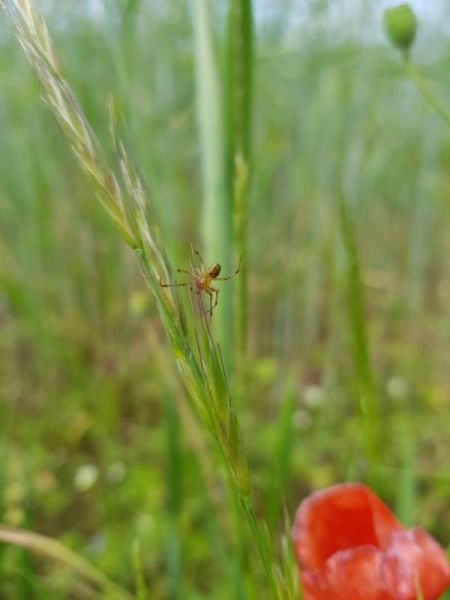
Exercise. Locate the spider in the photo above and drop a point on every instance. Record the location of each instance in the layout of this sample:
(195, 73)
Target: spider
(201, 280)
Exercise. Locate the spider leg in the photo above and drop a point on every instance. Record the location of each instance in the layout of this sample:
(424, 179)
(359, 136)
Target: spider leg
(198, 294)
(185, 272)
(199, 256)
(232, 274)
(200, 300)
(162, 284)
(224, 278)
(216, 299)
(213, 294)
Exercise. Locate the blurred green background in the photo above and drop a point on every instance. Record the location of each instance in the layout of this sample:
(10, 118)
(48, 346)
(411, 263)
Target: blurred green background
(92, 450)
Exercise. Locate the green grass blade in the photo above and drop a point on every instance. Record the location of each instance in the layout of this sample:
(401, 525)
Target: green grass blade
(141, 592)
(216, 210)
(53, 549)
(282, 454)
(239, 113)
(368, 399)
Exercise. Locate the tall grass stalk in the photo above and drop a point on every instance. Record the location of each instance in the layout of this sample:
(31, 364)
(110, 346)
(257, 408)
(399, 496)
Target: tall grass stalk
(141, 592)
(239, 71)
(216, 214)
(368, 399)
(174, 498)
(122, 195)
(282, 454)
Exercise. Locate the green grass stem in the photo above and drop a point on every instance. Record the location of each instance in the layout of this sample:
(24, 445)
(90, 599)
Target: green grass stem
(239, 71)
(216, 224)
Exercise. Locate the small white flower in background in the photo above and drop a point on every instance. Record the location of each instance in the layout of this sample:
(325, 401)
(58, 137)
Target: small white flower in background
(313, 396)
(397, 387)
(116, 472)
(97, 544)
(85, 477)
(145, 522)
(302, 420)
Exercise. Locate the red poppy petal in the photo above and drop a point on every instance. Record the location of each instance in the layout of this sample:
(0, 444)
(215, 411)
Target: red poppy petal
(415, 564)
(348, 575)
(338, 518)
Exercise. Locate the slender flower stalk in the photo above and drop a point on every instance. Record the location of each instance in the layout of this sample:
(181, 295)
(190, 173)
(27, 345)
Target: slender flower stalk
(123, 196)
(417, 79)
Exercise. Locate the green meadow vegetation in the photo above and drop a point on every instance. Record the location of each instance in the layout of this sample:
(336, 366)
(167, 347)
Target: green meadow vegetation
(147, 448)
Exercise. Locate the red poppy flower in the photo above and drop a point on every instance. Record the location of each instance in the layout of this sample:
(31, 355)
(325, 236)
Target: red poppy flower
(349, 546)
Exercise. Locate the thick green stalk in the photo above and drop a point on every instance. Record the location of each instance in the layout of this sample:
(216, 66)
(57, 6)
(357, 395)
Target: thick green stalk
(216, 213)
(239, 110)
(240, 75)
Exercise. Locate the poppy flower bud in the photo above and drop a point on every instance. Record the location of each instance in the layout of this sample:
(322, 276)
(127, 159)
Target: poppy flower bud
(400, 24)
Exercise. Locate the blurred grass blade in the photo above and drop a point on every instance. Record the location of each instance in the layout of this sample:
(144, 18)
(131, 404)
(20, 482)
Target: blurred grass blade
(216, 209)
(174, 484)
(288, 578)
(53, 549)
(406, 480)
(282, 454)
(239, 114)
(418, 80)
(240, 76)
(141, 593)
(368, 399)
